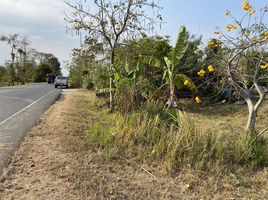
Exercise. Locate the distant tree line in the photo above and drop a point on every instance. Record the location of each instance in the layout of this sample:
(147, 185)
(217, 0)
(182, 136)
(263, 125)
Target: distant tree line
(25, 63)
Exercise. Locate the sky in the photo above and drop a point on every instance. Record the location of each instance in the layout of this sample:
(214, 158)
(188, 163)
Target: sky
(42, 21)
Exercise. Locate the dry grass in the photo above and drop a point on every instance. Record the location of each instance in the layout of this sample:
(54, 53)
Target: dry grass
(56, 162)
(227, 119)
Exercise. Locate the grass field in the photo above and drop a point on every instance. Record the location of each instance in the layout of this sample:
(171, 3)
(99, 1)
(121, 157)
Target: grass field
(228, 119)
(210, 140)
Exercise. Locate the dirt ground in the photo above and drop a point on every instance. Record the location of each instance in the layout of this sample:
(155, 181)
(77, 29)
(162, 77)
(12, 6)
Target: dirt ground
(54, 163)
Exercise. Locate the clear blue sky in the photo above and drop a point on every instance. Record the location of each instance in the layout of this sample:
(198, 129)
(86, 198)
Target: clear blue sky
(42, 21)
(201, 16)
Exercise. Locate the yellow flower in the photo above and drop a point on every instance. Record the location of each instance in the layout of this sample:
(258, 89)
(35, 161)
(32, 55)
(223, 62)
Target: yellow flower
(211, 68)
(197, 51)
(246, 5)
(217, 45)
(197, 99)
(264, 66)
(216, 32)
(252, 12)
(210, 43)
(230, 27)
(265, 33)
(201, 73)
(186, 83)
(255, 40)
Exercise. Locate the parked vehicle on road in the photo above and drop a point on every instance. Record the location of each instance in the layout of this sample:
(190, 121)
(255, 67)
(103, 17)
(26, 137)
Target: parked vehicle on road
(61, 81)
(51, 78)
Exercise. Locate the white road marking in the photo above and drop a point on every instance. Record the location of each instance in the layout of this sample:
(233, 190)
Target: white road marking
(1, 123)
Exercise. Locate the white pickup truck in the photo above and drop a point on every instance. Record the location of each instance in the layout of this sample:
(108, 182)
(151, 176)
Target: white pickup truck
(61, 81)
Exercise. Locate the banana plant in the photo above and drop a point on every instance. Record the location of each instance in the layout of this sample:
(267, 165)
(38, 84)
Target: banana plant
(131, 74)
(174, 59)
(117, 75)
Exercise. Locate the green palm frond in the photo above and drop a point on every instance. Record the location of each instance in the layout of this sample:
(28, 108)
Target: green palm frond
(150, 60)
(181, 47)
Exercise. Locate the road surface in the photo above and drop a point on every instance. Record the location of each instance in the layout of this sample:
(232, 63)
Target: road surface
(20, 109)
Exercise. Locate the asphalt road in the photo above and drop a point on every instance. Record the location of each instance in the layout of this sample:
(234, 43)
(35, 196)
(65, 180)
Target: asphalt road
(20, 109)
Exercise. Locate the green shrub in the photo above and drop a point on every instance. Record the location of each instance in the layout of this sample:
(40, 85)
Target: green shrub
(88, 84)
(128, 96)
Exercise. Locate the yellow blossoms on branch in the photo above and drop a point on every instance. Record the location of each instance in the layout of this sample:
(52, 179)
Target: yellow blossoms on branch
(265, 33)
(264, 66)
(230, 27)
(256, 40)
(210, 43)
(211, 68)
(246, 6)
(197, 99)
(201, 73)
(252, 12)
(187, 83)
(213, 44)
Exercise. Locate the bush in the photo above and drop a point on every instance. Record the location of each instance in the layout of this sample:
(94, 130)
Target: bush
(88, 84)
(128, 95)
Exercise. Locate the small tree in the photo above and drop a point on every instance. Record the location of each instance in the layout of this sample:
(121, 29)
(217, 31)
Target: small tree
(23, 53)
(12, 41)
(111, 22)
(245, 65)
(173, 61)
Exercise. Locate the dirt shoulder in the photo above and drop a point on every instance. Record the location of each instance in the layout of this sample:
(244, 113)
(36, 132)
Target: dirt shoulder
(55, 162)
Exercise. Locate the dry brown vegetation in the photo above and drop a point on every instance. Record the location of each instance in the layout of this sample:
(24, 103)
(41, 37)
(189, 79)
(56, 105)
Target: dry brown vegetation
(56, 161)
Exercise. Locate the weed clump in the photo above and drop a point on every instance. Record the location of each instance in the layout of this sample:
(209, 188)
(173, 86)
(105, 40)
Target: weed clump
(173, 140)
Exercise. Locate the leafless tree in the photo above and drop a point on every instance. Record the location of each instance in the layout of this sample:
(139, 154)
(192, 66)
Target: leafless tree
(112, 21)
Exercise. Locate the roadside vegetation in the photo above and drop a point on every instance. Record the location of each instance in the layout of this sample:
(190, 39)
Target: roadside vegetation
(194, 108)
(178, 139)
(175, 105)
(26, 65)
(96, 154)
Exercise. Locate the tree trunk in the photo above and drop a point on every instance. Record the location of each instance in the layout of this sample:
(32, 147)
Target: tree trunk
(12, 68)
(171, 99)
(111, 80)
(253, 110)
(251, 119)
